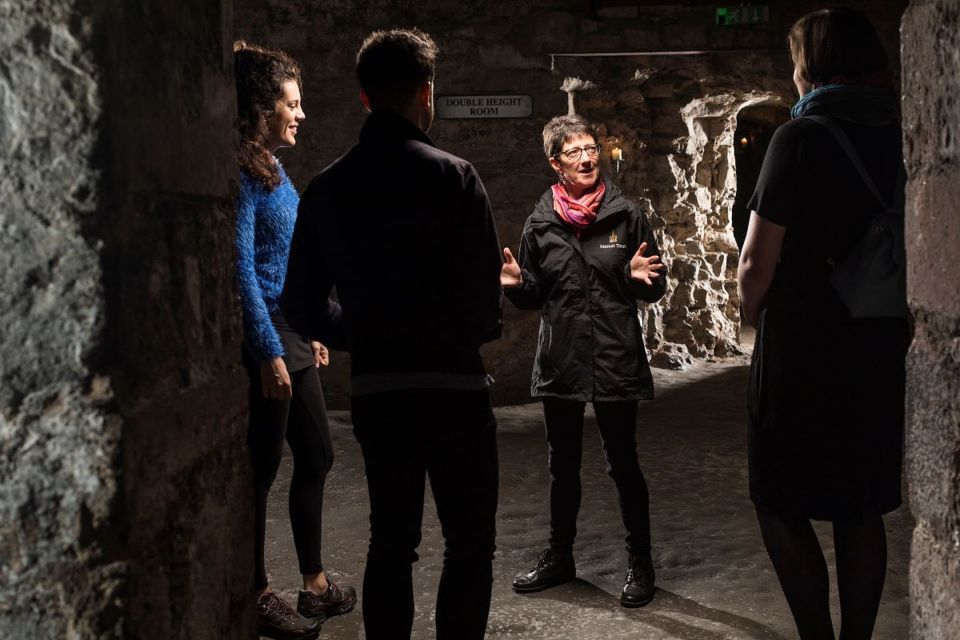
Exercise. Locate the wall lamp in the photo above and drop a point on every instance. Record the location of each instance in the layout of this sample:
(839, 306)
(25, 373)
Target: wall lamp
(616, 154)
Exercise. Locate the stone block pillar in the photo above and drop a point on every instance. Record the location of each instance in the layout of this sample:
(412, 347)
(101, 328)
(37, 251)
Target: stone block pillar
(931, 110)
(124, 481)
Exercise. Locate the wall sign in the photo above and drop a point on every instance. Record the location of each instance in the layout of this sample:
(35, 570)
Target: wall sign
(484, 106)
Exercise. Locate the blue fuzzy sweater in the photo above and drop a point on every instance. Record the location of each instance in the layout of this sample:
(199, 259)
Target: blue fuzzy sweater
(265, 221)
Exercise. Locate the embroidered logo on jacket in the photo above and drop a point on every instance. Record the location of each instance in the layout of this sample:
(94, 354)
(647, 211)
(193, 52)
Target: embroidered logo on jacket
(613, 242)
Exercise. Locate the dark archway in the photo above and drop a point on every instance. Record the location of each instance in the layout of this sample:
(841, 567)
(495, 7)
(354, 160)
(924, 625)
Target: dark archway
(755, 127)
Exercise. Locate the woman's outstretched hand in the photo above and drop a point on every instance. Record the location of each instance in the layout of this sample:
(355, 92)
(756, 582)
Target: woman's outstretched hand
(510, 274)
(641, 268)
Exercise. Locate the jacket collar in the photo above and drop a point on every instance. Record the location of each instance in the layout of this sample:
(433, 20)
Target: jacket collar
(383, 126)
(613, 202)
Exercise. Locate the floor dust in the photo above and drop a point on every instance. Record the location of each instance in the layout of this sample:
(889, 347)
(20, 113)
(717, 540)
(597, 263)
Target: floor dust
(715, 580)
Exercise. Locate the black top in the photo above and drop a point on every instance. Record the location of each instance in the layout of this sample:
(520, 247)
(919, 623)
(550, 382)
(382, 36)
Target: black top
(405, 232)
(808, 185)
(591, 344)
(297, 351)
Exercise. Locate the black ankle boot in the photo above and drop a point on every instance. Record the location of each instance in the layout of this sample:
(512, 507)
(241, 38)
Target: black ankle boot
(638, 589)
(552, 568)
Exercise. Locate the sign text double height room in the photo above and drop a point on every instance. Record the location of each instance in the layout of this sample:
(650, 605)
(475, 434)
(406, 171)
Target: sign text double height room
(484, 106)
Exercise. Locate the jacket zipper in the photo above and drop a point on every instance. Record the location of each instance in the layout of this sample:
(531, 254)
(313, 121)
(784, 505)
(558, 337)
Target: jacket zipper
(584, 269)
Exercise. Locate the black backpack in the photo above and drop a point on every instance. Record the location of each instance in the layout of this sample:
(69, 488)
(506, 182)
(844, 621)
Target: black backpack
(872, 280)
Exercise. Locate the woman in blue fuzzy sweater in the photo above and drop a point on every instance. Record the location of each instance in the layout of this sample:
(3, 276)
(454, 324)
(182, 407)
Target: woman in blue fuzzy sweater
(286, 399)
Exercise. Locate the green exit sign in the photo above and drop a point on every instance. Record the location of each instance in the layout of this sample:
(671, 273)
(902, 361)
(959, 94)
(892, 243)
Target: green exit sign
(748, 14)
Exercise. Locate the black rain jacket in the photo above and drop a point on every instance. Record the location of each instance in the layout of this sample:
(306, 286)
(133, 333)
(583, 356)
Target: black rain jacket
(590, 346)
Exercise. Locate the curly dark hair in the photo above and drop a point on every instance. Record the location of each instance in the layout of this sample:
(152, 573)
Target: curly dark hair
(260, 74)
(392, 65)
(560, 128)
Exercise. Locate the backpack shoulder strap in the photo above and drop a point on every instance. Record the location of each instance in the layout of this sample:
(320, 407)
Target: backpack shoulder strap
(847, 147)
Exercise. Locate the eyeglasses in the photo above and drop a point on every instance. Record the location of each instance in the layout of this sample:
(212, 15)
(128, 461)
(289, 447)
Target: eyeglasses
(593, 151)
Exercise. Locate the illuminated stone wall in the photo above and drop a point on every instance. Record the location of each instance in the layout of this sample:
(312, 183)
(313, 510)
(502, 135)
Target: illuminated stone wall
(931, 119)
(125, 501)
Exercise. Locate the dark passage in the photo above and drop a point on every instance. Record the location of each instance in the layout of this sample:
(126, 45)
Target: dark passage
(755, 127)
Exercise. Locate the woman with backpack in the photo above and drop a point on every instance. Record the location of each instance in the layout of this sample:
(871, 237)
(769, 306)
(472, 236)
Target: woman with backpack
(822, 278)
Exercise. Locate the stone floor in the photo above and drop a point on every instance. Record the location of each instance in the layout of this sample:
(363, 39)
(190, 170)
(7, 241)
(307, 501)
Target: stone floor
(715, 581)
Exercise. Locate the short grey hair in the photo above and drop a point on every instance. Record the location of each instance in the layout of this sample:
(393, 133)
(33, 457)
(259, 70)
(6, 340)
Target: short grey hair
(556, 132)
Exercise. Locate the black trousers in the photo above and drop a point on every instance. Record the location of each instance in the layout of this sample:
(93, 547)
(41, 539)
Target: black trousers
(450, 437)
(616, 422)
(302, 421)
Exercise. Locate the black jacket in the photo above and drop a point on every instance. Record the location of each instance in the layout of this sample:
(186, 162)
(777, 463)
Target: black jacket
(405, 232)
(590, 346)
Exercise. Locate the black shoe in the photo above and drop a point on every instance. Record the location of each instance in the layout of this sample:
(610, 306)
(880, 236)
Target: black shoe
(638, 589)
(334, 601)
(277, 619)
(552, 568)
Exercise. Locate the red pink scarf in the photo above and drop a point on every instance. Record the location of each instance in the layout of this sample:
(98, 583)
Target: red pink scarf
(580, 212)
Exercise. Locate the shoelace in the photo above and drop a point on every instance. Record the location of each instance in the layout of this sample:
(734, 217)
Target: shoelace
(543, 559)
(333, 592)
(278, 606)
(634, 571)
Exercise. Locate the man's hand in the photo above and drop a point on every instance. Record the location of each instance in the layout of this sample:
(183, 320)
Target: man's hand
(274, 379)
(510, 274)
(641, 268)
(321, 355)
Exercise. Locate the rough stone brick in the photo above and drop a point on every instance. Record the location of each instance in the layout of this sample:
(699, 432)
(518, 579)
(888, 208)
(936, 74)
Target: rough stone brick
(931, 80)
(123, 469)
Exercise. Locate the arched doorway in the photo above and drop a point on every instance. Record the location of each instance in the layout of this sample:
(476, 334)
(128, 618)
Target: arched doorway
(755, 127)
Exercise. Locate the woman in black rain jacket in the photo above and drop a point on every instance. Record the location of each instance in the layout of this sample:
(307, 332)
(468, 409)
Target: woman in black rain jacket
(586, 256)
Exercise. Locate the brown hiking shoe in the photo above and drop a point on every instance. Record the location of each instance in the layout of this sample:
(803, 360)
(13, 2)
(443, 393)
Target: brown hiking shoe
(334, 601)
(277, 619)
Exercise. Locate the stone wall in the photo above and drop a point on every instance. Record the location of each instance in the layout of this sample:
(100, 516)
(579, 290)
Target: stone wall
(124, 497)
(931, 112)
(673, 116)
(59, 437)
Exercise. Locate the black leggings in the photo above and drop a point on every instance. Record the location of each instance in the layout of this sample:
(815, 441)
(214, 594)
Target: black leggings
(616, 422)
(302, 420)
(861, 560)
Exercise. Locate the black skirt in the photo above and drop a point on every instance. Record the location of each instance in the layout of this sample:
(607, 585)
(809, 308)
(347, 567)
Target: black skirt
(826, 404)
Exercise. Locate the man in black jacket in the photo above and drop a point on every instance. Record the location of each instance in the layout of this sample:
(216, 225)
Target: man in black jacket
(405, 233)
